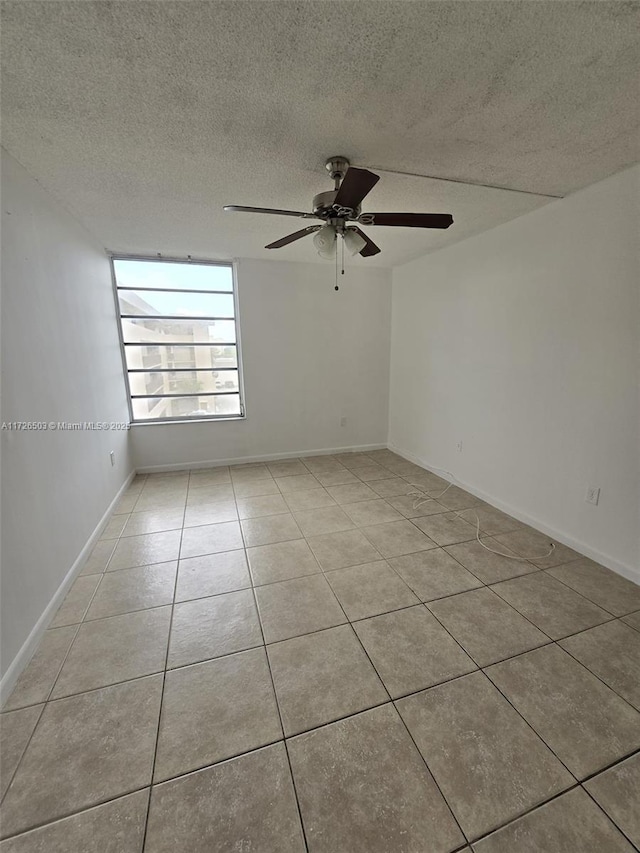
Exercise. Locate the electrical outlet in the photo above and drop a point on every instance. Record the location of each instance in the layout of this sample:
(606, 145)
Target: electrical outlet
(343, 422)
(112, 457)
(593, 495)
(459, 447)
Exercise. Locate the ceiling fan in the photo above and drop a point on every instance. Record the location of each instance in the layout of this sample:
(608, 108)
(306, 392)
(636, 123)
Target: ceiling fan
(341, 206)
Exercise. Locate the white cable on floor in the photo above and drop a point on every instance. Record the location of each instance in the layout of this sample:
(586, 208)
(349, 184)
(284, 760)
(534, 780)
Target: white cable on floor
(420, 493)
(421, 499)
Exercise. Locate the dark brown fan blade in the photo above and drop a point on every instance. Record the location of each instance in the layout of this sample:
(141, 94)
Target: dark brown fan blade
(408, 220)
(284, 241)
(238, 208)
(355, 186)
(370, 248)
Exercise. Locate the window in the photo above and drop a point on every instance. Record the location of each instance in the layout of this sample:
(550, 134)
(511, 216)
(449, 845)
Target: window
(178, 324)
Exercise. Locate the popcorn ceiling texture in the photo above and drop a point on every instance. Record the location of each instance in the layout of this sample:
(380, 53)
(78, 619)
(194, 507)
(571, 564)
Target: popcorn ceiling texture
(144, 118)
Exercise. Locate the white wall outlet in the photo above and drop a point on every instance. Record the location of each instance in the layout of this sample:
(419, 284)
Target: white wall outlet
(459, 447)
(593, 495)
(343, 421)
(112, 457)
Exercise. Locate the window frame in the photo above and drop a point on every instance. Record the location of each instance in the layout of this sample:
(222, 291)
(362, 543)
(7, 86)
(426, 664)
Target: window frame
(232, 265)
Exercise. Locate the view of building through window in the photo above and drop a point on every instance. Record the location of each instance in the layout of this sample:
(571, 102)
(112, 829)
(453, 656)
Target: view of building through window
(179, 338)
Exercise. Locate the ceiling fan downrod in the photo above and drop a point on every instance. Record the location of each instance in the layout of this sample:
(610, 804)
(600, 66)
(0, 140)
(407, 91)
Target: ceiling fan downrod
(337, 168)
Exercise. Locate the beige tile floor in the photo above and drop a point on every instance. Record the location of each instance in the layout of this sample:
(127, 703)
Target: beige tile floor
(293, 656)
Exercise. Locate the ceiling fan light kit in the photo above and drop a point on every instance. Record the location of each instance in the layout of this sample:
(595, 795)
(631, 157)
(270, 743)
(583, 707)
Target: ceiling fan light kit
(342, 205)
(353, 242)
(325, 241)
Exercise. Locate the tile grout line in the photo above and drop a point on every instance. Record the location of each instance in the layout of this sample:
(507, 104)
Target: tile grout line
(125, 680)
(164, 681)
(604, 622)
(324, 725)
(551, 639)
(594, 674)
(425, 604)
(322, 571)
(477, 667)
(415, 745)
(339, 719)
(609, 817)
(538, 735)
(309, 633)
(275, 696)
(22, 754)
(480, 669)
(53, 684)
(391, 701)
(48, 699)
(551, 642)
(37, 826)
(623, 619)
(511, 607)
(574, 787)
(562, 566)
(610, 765)
(381, 682)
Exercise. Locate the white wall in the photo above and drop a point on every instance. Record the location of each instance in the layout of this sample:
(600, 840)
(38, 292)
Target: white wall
(523, 343)
(60, 362)
(311, 356)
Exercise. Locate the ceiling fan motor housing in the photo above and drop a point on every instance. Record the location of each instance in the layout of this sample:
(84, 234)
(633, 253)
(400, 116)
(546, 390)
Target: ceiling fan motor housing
(323, 206)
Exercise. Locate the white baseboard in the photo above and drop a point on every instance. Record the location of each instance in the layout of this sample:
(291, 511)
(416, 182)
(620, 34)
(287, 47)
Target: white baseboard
(28, 648)
(269, 457)
(607, 560)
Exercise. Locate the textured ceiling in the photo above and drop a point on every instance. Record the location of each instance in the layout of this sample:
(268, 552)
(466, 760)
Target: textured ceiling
(144, 118)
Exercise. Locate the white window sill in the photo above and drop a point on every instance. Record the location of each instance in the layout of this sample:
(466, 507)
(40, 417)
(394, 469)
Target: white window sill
(188, 421)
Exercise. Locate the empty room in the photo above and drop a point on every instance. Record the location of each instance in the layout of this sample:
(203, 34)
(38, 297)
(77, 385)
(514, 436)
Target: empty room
(320, 426)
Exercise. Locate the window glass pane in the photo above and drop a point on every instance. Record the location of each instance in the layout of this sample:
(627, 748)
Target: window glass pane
(181, 362)
(148, 356)
(178, 331)
(147, 408)
(176, 304)
(172, 276)
(184, 382)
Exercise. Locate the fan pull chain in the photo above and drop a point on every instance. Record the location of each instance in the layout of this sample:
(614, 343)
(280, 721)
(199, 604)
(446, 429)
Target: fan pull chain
(341, 262)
